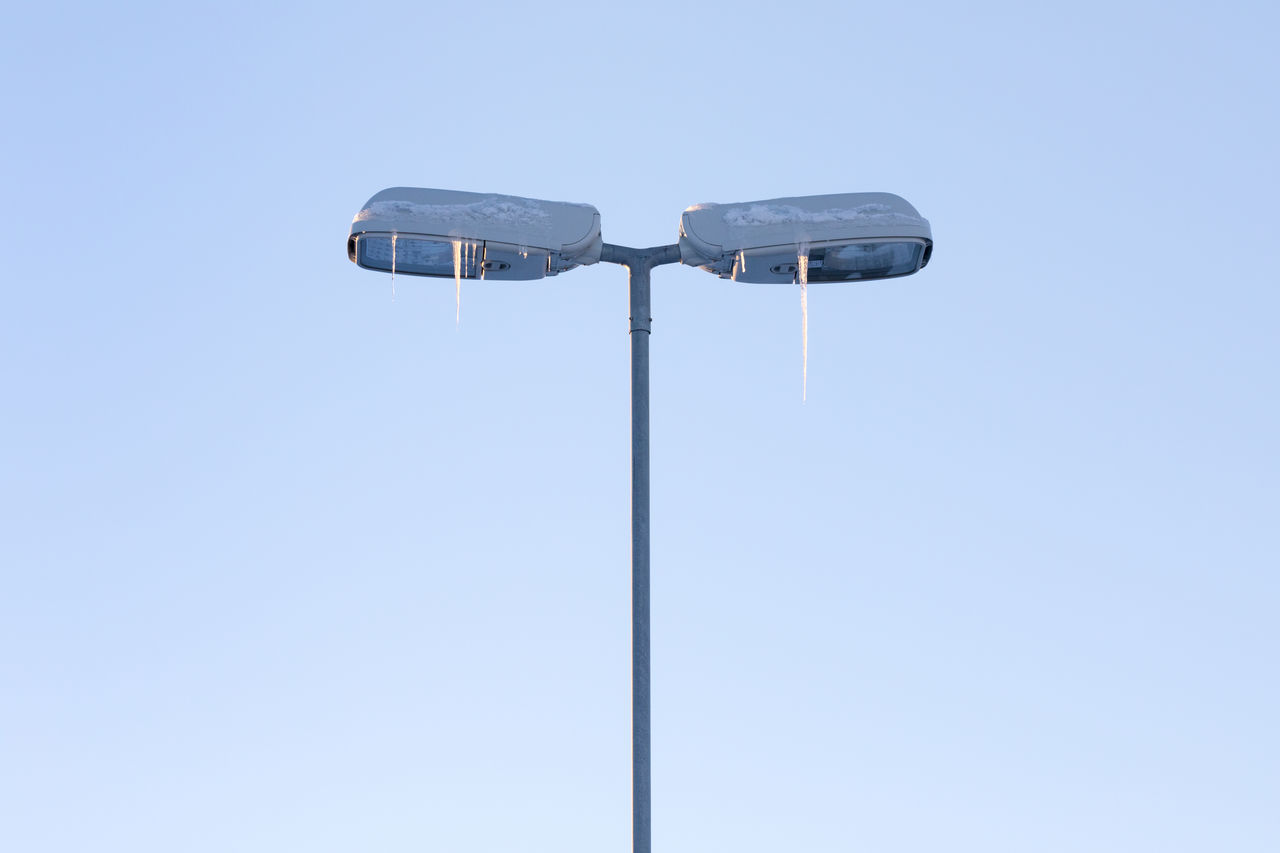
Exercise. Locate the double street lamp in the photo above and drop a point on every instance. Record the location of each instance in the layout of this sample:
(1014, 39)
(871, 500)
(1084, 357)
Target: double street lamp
(461, 235)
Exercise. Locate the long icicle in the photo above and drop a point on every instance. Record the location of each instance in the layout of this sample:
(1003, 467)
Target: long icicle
(802, 273)
(393, 266)
(457, 280)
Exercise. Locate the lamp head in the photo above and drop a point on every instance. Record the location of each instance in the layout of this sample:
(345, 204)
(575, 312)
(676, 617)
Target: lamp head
(846, 237)
(441, 233)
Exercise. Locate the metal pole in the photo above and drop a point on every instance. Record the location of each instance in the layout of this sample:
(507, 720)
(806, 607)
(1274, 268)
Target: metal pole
(639, 262)
(641, 780)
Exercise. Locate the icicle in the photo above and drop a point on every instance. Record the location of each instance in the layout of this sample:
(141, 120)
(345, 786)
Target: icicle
(457, 279)
(802, 274)
(469, 258)
(393, 266)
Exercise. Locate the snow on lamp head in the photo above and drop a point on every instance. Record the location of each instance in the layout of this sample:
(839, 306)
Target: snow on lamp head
(846, 237)
(448, 234)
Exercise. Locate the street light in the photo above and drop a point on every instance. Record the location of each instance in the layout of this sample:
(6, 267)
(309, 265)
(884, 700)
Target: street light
(448, 234)
(847, 237)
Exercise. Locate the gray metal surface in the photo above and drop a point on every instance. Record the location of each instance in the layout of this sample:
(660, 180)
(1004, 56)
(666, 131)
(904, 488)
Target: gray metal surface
(639, 262)
(508, 238)
(756, 241)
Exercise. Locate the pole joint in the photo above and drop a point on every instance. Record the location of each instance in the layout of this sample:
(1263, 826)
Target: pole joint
(639, 262)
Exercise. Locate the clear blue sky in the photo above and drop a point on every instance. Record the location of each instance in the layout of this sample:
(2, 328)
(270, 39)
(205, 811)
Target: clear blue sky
(288, 565)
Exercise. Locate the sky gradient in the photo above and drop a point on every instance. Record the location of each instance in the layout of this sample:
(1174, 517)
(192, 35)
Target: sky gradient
(289, 564)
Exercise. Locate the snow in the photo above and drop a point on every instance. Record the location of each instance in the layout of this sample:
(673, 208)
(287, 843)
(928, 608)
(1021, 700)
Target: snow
(505, 209)
(750, 215)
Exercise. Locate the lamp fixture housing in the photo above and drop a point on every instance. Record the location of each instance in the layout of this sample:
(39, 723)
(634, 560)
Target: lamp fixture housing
(443, 233)
(846, 237)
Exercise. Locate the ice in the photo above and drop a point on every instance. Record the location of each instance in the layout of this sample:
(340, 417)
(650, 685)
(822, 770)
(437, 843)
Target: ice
(488, 210)
(393, 265)
(802, 276)
(457, 281)
(750, 215)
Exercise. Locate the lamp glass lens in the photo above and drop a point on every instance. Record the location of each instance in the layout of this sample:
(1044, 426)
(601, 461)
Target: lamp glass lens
(414, 256)
(866, 260)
